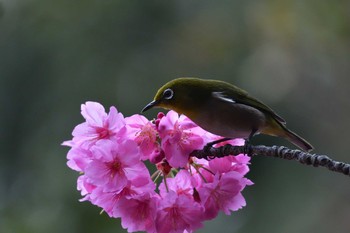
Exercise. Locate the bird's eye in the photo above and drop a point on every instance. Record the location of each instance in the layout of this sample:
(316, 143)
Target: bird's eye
(168, 94)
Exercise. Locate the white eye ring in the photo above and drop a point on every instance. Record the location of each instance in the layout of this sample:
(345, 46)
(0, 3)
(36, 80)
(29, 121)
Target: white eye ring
(168, 94)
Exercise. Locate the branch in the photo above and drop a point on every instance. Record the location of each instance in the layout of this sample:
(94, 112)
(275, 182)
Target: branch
(274, 151)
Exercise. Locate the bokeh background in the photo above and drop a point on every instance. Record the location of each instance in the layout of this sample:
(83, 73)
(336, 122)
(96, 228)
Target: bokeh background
(57, 54)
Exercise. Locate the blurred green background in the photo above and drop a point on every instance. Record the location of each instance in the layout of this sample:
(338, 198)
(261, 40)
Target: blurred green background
(55, 55)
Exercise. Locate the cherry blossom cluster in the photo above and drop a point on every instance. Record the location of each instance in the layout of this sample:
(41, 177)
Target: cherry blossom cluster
(109, 151)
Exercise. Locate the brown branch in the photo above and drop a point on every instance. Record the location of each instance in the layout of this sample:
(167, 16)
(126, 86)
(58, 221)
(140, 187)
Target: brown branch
(275, 151)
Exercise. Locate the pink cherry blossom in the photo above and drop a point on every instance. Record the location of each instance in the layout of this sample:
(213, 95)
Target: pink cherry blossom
(223, 194)
(180, 136)
(203, 174)
(177, 213)
(115, 164)
(181, 184)
(138, 212)
(241, 163)
(144, 133)
(78, 158)
(230, 163)
(109, 201)
(98, 125)
(85, 187)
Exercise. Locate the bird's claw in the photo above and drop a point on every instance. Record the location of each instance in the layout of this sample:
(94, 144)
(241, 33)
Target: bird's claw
(209, 145)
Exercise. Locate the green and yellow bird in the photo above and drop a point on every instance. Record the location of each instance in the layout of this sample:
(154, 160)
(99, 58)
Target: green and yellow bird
(223, 109)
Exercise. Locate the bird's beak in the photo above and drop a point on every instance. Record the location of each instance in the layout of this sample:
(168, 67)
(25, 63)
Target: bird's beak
(150, 105)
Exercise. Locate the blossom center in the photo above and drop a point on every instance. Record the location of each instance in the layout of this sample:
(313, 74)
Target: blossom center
(115, 167)
(102, 132)
(147, 134)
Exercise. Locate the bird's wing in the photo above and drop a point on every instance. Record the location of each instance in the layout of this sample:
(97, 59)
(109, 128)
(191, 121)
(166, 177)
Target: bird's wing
(242, 97)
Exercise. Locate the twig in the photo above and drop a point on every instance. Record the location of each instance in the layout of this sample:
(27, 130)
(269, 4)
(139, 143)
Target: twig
(275, 151)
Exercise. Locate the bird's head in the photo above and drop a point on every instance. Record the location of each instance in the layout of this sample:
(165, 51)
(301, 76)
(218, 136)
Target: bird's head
(182, 95)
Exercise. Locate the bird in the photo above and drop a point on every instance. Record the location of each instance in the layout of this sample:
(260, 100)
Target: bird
(223, 109)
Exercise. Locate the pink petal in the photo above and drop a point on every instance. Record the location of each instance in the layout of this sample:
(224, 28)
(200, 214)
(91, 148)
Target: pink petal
(115, 120)
(138, 213)
(94, 113)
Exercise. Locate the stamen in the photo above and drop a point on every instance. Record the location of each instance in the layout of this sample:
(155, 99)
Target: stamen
(200, 174)
(157, 173)
(166, 184)
(208, 170)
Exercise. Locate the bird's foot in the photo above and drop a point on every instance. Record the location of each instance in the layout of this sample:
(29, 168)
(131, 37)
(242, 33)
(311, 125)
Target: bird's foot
(209, 145)
(247, 148)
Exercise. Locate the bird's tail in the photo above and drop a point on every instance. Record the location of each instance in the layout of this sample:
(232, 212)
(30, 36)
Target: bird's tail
(297, 140)
(280, 130)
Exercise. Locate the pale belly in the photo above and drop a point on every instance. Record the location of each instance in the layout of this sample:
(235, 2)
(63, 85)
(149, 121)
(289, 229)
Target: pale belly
(231, 121)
